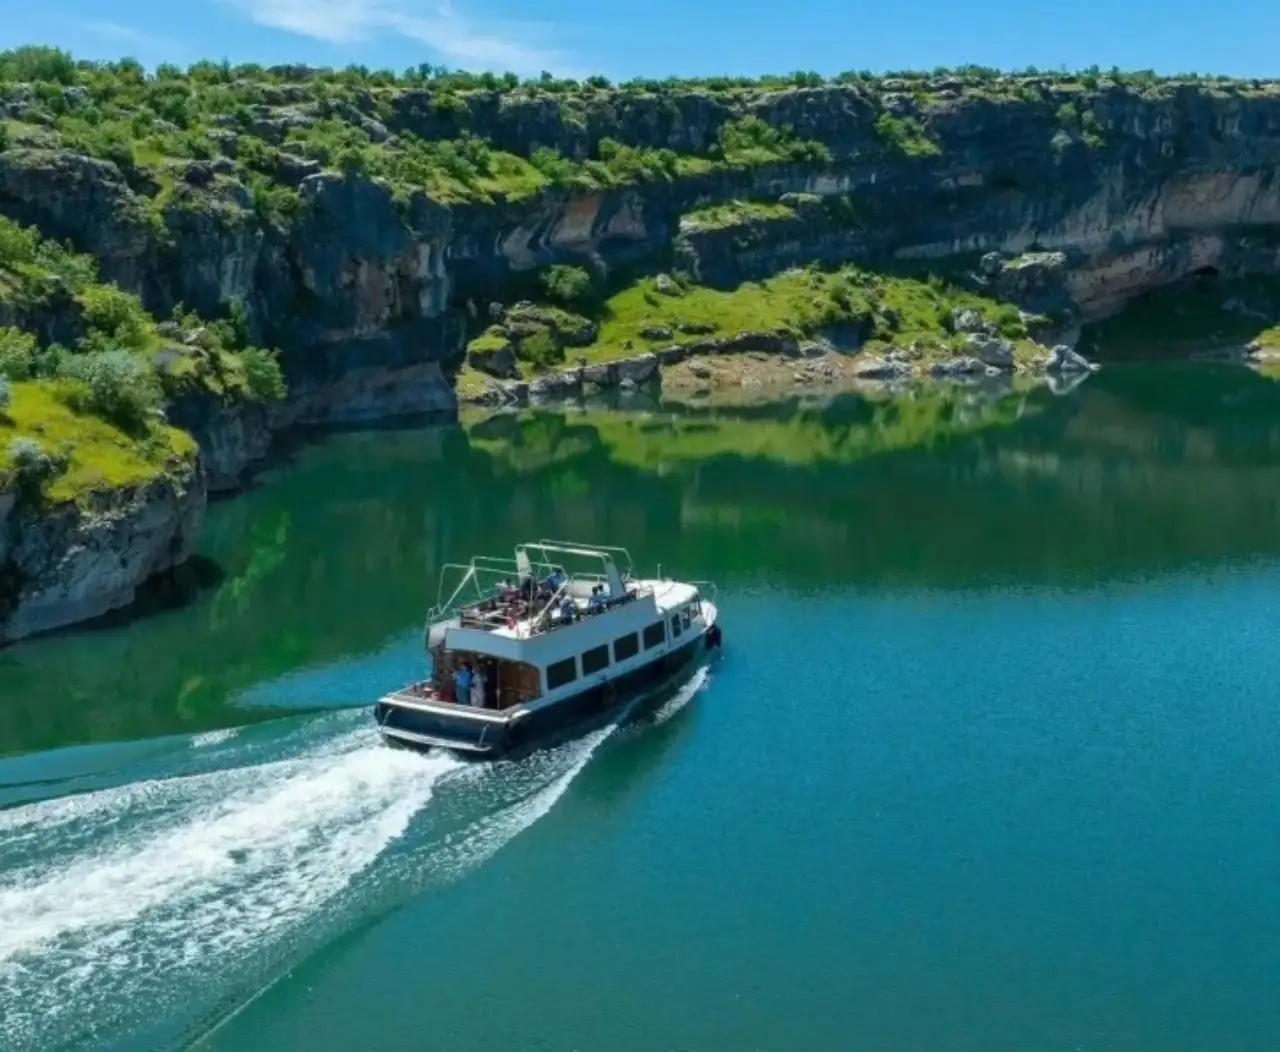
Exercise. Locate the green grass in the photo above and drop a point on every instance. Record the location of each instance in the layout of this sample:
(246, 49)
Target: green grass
(893, 309)
(101, 456)
(733, 213)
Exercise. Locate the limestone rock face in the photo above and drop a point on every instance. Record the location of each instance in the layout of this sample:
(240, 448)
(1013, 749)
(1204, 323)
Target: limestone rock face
(72, 564)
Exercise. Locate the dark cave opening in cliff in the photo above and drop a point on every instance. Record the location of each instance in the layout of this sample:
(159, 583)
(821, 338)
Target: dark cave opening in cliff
(1206, 274)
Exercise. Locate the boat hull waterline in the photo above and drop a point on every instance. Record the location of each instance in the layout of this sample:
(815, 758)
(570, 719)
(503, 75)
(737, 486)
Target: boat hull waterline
(483, 734)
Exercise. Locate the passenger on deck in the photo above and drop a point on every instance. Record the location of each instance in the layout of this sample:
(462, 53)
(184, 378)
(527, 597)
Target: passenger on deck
(462, 683)
(597, 602)
(566, 610)
(477, 689)
(554, 580)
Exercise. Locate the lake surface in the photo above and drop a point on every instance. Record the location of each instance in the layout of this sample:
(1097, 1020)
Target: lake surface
(988, 761)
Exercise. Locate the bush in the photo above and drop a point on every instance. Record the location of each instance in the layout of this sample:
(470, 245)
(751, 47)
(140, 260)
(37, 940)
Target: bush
(540, 349)
(6, 394)
(567, 284)
(17, 354)
(114, 385)
(116, 315)
(33, 466)
(262, 375)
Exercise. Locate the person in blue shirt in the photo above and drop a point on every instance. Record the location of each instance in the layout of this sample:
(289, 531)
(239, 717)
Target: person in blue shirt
(596, 603)
(462, 684)
(555, 579)
(566, 610)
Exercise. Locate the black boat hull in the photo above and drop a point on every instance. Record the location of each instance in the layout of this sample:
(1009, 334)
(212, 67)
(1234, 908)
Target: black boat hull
(494, 738)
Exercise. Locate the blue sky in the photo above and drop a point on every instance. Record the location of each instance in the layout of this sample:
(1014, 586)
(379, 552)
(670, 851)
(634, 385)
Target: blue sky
(656, 38)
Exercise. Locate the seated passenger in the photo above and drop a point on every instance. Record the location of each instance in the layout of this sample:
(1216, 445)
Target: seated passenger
(566, 610)
(554, 580)
(597, 602)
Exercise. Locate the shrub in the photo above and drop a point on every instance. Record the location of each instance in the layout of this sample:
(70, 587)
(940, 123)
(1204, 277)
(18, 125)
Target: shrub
(540, 349)
(17, 354)
(6, 393)
(34, 466)
(567, 284)
(116, 315)
(262, 374)
(114, 385)
(558, 171)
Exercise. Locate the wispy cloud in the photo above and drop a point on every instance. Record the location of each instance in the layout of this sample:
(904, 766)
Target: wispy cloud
(456, 37)
(124, 34)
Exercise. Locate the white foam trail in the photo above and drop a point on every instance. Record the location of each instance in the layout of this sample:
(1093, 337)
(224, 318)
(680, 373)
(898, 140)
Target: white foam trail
(683, 696)
(203, 741)
(196, 871)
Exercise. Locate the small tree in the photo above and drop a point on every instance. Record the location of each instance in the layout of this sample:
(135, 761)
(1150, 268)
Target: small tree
(114, 385)
(567, 284)
(17, 354)
(262, 374)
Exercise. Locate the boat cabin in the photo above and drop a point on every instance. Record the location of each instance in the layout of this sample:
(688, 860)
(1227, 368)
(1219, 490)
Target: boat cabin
(536, 627)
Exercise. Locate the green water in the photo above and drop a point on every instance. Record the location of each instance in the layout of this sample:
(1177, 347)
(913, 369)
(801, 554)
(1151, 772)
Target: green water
(988, 761)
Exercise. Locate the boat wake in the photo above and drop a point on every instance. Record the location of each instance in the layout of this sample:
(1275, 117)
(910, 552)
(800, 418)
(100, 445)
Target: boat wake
(177, 897)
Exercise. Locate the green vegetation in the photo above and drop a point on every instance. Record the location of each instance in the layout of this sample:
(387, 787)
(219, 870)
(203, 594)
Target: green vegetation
(85, 416)
(567, 284)
(886, 309)
(732, 213)
(905, 135)
(73, 453)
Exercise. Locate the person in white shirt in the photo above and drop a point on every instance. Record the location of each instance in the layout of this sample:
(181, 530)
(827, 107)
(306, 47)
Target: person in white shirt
(477, 688)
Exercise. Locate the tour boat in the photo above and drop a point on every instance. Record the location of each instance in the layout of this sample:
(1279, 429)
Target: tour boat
(557, 637)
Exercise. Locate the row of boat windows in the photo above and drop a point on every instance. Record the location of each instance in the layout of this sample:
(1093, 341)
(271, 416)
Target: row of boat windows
(624, 648)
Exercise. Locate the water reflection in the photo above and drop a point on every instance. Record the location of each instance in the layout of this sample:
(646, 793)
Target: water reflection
(1135, 473)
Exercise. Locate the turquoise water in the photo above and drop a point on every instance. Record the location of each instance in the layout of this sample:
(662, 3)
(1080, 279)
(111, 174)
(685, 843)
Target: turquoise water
(988, 760)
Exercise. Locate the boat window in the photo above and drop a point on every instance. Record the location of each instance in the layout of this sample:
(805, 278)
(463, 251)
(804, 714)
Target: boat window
(654, 635)
(595, 659)
(684, 617)
(675, 625)
(626, 647)
(562, 672)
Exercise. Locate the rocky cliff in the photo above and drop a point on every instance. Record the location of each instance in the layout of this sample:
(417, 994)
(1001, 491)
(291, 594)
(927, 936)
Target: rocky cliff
(74, 561)
(1137, 184)
(364, 226)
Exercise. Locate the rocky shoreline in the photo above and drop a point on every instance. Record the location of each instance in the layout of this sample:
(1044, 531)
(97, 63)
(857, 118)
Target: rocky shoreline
(990, 356)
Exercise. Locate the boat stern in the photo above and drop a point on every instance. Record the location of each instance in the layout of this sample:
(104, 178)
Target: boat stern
(408, 721)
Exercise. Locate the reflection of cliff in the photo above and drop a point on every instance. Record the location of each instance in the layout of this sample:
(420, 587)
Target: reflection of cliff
(340, 552)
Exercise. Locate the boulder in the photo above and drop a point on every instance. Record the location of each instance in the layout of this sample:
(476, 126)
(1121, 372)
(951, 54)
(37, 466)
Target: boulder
(1063, 359)
(666, 284)
(964, 319)
(656, 332)
(671, 355)
(637, 370)
(964, 366)
(696, 328)
(499, 361)
(882, 369)
(990, 350)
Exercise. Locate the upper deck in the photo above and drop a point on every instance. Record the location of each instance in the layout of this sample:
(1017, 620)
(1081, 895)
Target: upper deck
(549, 587)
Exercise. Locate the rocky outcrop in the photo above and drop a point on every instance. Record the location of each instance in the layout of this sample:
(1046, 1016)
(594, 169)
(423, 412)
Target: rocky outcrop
(232, 436)
(1160, 182)
(71, 563)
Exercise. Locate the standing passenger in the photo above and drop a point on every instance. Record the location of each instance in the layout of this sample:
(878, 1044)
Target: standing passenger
(462, 684)
(477, 689)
